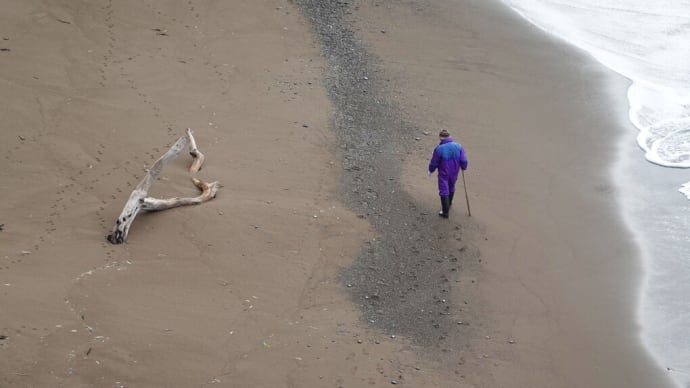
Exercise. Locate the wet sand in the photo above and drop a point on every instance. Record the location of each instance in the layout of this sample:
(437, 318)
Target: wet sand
(251, 288)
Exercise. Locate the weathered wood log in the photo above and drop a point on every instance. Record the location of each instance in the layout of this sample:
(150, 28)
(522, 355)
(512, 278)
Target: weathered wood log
(138, 199)
(196, 154)
(208, 192)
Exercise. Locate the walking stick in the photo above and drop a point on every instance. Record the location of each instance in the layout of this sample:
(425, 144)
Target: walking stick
(464, 185)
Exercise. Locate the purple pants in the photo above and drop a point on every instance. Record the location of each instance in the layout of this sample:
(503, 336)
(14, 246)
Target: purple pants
(446, 185)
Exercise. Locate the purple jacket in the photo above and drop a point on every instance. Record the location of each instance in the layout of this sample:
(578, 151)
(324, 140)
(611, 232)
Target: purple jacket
(449, 157)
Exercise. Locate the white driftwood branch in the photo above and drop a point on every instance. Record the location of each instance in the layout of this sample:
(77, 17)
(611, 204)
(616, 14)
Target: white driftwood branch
(196, 154)
(139, 200)
(133, 205)
(208, 192)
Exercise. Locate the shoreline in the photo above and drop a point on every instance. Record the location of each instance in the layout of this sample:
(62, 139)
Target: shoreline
(646, 206)
(631, 170)
(574, 223)
(658, 260)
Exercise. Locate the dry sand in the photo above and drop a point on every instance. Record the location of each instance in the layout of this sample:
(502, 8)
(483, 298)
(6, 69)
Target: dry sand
(244, 291)
(241, 291)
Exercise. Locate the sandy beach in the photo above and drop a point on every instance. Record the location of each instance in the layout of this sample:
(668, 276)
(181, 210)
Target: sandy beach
(321, 262)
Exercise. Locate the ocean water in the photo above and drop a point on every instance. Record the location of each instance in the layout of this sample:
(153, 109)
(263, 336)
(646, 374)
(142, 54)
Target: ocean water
(648, 42)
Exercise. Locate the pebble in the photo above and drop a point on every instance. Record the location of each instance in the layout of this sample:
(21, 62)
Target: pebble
(388, 211)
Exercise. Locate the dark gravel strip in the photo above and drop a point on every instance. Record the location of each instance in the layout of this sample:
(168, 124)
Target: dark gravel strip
(401, 279)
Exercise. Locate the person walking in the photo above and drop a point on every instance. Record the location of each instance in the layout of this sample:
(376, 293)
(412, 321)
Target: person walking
(448, 158)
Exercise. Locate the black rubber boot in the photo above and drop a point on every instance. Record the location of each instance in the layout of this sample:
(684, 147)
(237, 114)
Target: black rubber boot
(445, 206)
(450, 199)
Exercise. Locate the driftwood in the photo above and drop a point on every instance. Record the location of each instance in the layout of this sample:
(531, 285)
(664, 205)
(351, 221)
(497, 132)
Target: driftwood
(139, 199)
